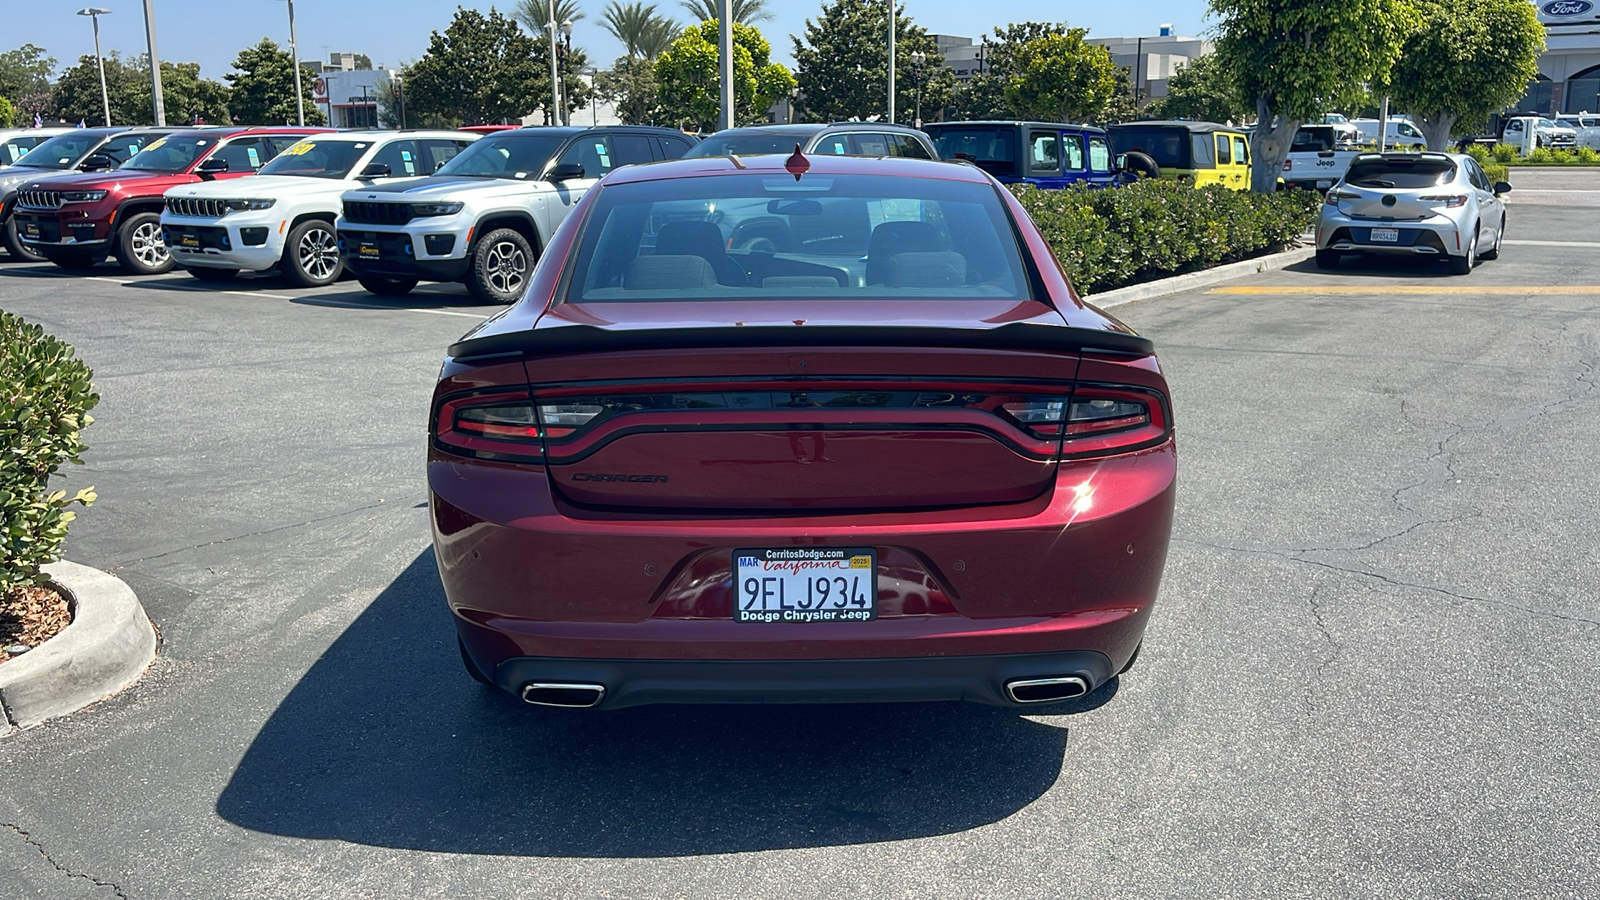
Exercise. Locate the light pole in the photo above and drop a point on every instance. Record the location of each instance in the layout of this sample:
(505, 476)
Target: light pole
(157, 102)
(917, 59)
(94, 12)
(566, 49)
(294, 52)
(794, 97)
(891, 61)
(555, 76)
(594, 102)
(727, 118)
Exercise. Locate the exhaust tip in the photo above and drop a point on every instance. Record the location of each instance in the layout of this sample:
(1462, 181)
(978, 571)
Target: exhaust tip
(1046, 690)
(571, 696)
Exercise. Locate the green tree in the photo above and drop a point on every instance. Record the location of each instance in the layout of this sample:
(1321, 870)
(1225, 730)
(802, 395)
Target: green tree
(1060, 78)
(630, 85)
(689, 80)
(484, 69)
(643, 33)
(842, 65)
(983, 96)
(188, 98)
(363, 62)
(391, 101)
(76, 95)
(263, 87)
(1469, 59)
(745, 12)
(1294, 59)
(980, 97)
(535, 14)
(8, 113)
(1200, 91)
(25, 71)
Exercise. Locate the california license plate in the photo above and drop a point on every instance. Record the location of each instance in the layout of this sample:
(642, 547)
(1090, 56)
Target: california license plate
(811, 584)
(1322, 185)
(189, 240)
(1385, 235)
(30, 229)
(369, 250)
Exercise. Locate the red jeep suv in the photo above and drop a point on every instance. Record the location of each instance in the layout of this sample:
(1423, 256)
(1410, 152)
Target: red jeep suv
(75, 220)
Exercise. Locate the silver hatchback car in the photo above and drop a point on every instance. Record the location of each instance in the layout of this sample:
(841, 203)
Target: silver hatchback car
(1413, 204)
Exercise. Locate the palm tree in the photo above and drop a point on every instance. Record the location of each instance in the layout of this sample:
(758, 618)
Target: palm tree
(536, 13)
(745, 12)
(643, 33)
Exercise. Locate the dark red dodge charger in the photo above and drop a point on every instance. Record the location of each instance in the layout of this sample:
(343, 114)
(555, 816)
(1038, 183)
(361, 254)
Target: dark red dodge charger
(798, 429)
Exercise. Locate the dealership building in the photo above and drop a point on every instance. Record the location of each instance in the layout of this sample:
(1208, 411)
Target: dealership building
(1569, 68)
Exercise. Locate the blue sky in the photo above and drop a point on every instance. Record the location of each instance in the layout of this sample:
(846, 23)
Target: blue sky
(391, 31)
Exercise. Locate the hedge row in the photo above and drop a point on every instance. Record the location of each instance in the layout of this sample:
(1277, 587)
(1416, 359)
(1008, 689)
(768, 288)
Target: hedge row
(1109, 238)
(1502, 156)
(45, 398)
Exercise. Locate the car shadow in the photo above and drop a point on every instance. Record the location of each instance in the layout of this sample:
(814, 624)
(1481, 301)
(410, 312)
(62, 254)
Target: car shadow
(421, 298)
(1379, 266)
(387, 742)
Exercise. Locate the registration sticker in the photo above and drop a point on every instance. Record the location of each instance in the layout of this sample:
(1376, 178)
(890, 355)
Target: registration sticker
(811, 584)
(1385, 235)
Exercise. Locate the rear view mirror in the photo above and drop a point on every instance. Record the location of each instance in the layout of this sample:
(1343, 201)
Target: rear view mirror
(375, 170)
(97, 162)
(794, 207)
(212, 166)
(565, 171)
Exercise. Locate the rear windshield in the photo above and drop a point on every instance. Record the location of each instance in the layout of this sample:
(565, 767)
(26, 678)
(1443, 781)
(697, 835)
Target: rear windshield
(1401, 173)
(768, 236)
(171, 153)
(13, 147)
(993, 149)
(1312, 139)
(314, 158)
(1169, 147)
(509, 155)
(749, 143)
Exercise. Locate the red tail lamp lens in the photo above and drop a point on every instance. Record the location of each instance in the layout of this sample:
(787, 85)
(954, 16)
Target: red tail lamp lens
(1103, 421)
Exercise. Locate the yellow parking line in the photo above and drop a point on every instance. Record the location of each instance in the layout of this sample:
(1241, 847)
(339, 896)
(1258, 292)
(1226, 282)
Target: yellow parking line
(1427, 289)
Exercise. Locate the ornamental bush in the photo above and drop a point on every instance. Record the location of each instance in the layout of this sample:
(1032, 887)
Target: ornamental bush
(45, 398)
(1109, 238)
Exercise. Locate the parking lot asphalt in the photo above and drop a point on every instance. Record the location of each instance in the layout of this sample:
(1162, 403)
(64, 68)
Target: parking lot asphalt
(1370, 672)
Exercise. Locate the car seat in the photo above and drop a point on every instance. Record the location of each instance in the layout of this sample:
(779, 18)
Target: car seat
(702, 239)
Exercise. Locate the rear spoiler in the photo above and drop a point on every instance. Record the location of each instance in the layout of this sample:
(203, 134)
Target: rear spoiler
(589, 339)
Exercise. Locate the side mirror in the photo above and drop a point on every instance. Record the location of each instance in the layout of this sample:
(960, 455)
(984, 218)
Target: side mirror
(212, 167)
(565, 171)
(1502, 187)
(375, 170)
(97, 162)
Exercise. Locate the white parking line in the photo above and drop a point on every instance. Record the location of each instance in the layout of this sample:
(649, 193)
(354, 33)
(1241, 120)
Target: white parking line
(259, 294)
(1552, 243)
(348, 305)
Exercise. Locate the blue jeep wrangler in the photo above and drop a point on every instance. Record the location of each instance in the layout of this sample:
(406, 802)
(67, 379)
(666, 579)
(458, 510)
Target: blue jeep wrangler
(1043, 154)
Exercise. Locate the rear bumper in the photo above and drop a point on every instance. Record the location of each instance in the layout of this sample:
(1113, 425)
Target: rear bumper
(981, 679)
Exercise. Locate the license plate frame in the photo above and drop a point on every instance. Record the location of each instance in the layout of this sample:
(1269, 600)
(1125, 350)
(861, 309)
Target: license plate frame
(1384, 236)
(1324, 183)
(774, 585)
(369, 250)
(30, 230)
(189, 239)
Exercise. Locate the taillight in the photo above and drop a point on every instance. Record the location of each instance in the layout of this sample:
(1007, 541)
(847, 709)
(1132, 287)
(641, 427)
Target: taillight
(1333, 197)
(1451, 201)
(488, 425)
(1287, 164)
(1106, 420)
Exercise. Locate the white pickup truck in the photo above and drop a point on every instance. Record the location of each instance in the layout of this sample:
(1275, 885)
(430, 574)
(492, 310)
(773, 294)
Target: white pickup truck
(1317, 158)
(1585, 124)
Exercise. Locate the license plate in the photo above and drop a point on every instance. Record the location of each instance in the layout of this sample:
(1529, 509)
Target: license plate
(369, 250)
(1386, 235)
(1322, 185)
(189, 240)
(29, 229)
(813, 584)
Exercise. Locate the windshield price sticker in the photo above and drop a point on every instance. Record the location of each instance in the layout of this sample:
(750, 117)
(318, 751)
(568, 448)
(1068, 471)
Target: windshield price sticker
(814, 584)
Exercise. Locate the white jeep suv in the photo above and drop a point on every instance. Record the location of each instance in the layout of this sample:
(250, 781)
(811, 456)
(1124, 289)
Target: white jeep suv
(283, 215)
(485, 217)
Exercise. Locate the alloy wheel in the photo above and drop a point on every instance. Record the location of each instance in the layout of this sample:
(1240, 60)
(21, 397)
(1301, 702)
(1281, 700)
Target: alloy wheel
(148, 248)
(318, 254)
(506, 267)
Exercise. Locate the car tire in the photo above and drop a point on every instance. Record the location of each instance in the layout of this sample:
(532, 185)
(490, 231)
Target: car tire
(387, 287)
(1462, 265)
(311, 255)
(138, 246)
(205, 273)
(1494, 252)
(502, 264)
(19, 251)
(1328, 259)
(472, 667)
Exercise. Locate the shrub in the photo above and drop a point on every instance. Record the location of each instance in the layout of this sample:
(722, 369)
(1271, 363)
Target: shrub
(1109, 238)
(45, 398)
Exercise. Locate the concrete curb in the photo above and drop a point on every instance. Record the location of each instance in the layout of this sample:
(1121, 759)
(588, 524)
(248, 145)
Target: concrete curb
(107, 646)
(1204, 278)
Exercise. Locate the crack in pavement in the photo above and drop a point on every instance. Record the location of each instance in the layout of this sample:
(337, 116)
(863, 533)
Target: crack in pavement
(1294, 555)
(128, 562)
(1327, 635)
(28, 839)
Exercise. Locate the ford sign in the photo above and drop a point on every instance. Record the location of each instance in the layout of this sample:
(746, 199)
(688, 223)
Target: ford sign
(1567, 7)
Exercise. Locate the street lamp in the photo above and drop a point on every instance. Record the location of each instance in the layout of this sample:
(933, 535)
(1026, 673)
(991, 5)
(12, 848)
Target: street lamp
(555, 76)
(794, 97)
(891, 60)
(983, 52)
(594, 109)
(94, 12)
(917, 59)
(565, 115)
(294, 51)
